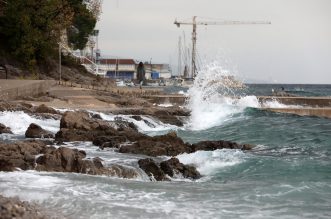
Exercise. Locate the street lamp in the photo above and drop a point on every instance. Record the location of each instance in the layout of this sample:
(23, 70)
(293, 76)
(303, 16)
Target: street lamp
(150, 62)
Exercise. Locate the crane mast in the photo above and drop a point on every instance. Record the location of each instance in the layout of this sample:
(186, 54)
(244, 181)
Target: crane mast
(194, 24)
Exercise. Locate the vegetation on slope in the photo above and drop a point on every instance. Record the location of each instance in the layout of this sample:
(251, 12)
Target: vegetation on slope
(31, 29)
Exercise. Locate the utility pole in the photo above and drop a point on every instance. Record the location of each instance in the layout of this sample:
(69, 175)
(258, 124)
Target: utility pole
(194, 23)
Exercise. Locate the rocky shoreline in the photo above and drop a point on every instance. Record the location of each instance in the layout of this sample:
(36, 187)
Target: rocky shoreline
(46, 151)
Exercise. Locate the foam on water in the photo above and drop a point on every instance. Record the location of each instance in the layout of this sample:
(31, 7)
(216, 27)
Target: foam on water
(208, 162)
(147, 124)
(210, 102)
(213, 100)
(19, 121)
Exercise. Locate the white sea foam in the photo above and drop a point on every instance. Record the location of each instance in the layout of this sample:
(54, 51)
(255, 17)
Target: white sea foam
(212, 101)
(147, 124)
(208, 162)
(19, 121)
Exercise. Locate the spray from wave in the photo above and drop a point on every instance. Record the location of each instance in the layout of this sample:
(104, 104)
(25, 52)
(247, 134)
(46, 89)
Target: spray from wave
(213, 98)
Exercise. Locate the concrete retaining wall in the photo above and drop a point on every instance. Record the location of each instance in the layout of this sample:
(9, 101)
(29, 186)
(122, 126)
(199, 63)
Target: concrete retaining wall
(14, 89)
(302, 101)
(320, 112)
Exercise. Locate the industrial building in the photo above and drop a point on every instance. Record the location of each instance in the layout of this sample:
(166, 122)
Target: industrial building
(118, 68)
(126, 69)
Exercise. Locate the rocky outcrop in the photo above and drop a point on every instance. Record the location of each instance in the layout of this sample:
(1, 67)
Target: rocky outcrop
(20, 155)
(169, 145)
(5, 129)
(171, 167)
(35, 131)
(44, 109)
(171, 115)
(215, 145)
(14, 208)
(79, 126)
(72, 160)
(152, 169)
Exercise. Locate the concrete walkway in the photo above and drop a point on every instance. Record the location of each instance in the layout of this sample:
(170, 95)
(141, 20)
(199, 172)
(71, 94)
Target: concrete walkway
(15, 89)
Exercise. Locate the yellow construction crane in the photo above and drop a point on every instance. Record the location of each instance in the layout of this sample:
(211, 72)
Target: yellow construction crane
(194, 23)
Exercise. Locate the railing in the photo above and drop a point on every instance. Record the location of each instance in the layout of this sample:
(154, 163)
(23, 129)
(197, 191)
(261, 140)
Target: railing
(91, 67)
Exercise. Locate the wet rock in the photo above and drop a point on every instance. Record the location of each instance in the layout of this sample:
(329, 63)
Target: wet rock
(170, 167)
(138, 118)
(14, 208)
(173, 166)
(169, 145)
(109, 141)
(171, 115)
(35, 131)
(44, 109)
(215, 145)
(60, 160)
(152, 169)
(96, 116)
(20, 155)
(5, 129)
(123, 124)
(82, 121)
(79, 126)
(72, 160)
(167, 117)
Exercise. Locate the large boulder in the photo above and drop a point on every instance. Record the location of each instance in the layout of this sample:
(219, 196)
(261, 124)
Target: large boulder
(5, 129)
(173, 167)
(44, 109)
(82, 121)
(35, 131)
(20, 155)
(152, 169)
(79, 126)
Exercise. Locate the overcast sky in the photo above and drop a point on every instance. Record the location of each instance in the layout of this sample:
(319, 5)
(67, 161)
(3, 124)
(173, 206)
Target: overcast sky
(295, 48)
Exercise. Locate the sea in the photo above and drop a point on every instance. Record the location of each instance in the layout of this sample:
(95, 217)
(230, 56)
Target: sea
(286, 175)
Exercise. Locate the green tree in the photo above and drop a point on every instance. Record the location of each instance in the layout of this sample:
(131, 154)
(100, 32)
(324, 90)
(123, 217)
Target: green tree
(82, 26)
(31, 29)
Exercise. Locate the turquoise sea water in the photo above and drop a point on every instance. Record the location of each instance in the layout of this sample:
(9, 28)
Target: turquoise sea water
(287, 174)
